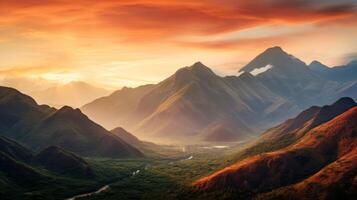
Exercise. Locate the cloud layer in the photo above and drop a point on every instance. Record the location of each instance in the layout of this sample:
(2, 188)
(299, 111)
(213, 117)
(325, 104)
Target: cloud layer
(88, 35)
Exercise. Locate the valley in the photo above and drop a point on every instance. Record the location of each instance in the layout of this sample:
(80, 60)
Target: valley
(195, 135)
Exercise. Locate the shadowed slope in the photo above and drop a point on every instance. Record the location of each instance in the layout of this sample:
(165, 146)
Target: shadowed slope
(126, 136)
(15, 150)
(63, 162)
(200, 99)
(18, 112)
(196, 97)
(117, 108)
(73, 131)
(318, 148)
(38, 127)
(293, 129)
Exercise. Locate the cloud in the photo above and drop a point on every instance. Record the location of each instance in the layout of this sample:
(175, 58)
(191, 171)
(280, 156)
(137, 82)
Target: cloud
(144, 20)
(350, 57)
(148, 39)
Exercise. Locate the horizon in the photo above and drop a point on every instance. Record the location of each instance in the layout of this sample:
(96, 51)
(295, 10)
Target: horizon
(57, 82)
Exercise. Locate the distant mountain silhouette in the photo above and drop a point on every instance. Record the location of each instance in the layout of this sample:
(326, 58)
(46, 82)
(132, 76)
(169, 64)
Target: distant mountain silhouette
(291, 78)
(343, 73)
(318, 67)
(281, 62)
(75, 94)
(193, 96)
(41, 126)
(324, 156)
(215, 108)
(118, 108)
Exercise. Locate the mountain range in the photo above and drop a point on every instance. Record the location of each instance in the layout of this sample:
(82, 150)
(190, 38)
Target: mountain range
(74, 94)
(215, 108)
(320, 164)
(293, 129)
(39, 126)
(342, 73)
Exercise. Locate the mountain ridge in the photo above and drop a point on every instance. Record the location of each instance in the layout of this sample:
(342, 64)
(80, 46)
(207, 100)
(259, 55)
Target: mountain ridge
(326, 144)
(24, 121)
(252, 102)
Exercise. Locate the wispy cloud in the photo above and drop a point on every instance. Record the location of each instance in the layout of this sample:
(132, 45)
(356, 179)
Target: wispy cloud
(48, 36)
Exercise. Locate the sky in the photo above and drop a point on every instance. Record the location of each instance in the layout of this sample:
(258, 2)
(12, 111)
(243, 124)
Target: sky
(116, 43)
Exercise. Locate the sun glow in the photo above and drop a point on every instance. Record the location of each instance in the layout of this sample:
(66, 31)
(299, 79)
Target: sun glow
(61, 77)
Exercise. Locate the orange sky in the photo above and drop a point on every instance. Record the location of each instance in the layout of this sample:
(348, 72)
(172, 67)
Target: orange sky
(113, 43)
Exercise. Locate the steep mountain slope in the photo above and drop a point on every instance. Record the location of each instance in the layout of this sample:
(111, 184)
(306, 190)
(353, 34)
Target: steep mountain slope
(15, 150)
(18, 172)
(53, 173)
(183, 99)
(19, 111)
(348, 89)
(63, 162)
(41, 126)
(343, 73)
(266, 104)
(126, 136)
(335, 181)
(291, 78)
(73, 131)
(215, 108)
(14, 164)
(147, 148)
(318, 150)
(118, 108)
(74, 94)
(318, 67)
(291, 130)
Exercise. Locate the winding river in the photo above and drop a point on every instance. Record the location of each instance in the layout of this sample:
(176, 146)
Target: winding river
(102, 189)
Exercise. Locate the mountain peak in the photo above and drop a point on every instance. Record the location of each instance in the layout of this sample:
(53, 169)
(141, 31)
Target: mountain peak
(198, 66)
(69, 111)
(314, 62)
(318, 66)
(277, 57)
(276, 49)
(328, 112)
(344, 101)
(66, 109)
(198, 63)
(193, 72)
(11, 94)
